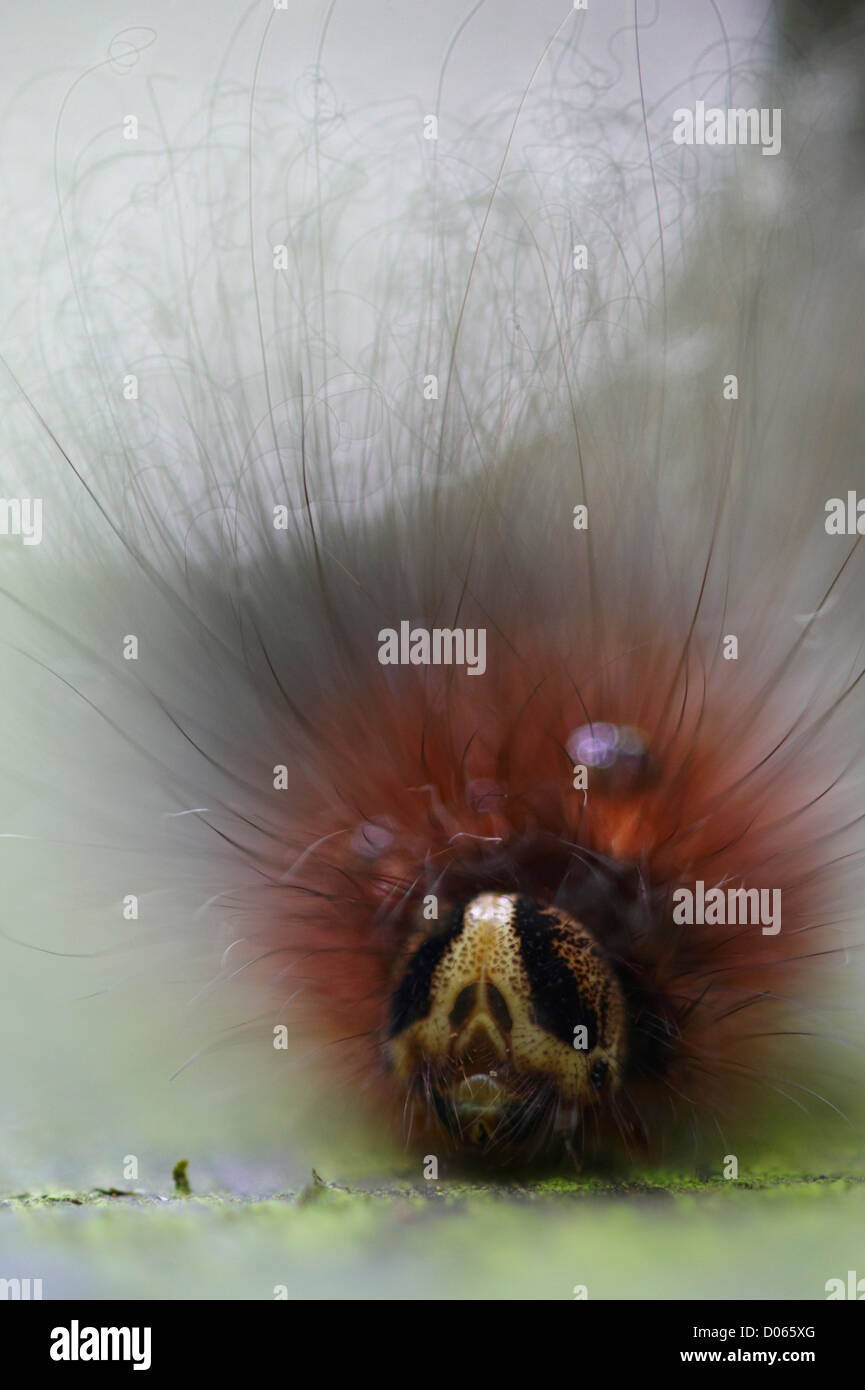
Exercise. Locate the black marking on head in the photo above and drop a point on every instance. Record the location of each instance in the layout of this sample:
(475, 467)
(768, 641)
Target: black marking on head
(499, 1009)
(411, 998)
(559, 1006)
(465, 1002)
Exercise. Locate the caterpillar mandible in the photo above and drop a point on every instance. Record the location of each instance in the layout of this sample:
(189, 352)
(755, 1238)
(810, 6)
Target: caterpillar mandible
(442, 598)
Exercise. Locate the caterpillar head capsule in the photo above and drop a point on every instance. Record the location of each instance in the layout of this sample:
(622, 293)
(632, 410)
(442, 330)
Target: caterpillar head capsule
(507, 1023)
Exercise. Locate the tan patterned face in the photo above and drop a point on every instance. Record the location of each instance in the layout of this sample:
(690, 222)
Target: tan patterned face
(507, 1021)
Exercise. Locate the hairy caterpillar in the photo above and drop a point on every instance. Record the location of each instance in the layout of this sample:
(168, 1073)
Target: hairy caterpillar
(315, 391)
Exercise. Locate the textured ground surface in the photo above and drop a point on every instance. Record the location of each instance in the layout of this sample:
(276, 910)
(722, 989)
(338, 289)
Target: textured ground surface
(776, 1237)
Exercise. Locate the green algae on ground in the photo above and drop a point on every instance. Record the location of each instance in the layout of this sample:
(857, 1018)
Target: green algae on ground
(181, 1180)
(669, 1235)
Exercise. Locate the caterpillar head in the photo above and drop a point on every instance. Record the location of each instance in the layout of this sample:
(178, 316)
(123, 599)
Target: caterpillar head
(507, 1024)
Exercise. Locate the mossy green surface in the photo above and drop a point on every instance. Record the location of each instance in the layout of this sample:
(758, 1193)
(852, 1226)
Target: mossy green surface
(668, 1236)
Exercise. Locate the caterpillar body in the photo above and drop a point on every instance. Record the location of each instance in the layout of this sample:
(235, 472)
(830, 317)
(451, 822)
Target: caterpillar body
(452, 515)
